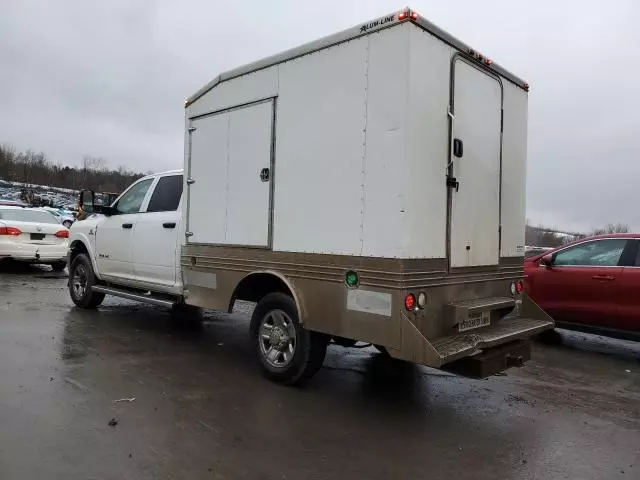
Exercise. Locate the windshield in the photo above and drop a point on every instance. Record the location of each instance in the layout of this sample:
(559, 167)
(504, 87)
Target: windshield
(25, 215)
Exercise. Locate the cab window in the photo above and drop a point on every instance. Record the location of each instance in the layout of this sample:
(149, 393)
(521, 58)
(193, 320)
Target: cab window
(166, 195)
(132, 199)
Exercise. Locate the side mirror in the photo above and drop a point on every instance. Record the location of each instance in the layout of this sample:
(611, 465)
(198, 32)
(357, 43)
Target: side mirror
(547, 260)
(87, 201)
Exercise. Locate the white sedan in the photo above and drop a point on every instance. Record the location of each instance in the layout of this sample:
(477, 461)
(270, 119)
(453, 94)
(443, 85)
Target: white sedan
(33, 235)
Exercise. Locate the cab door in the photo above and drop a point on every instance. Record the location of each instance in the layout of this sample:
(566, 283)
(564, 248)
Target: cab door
(114, 236)
(155, 238)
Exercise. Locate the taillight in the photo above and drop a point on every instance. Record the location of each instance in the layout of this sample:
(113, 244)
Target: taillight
(11, 231)
(410, 302)
(62, 234)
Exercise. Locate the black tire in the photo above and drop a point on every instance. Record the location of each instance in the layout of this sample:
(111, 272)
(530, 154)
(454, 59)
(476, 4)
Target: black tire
(67, 223)
(58, 266)
(84, 298)
(309, 348)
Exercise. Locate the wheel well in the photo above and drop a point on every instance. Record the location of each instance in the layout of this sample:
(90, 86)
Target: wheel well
(255, 286)
(76, 248)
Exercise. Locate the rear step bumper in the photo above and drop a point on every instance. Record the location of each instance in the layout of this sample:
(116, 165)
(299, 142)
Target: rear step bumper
(509, 329)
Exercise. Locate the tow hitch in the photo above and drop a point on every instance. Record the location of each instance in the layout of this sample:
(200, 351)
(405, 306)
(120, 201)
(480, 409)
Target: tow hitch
(492, 360)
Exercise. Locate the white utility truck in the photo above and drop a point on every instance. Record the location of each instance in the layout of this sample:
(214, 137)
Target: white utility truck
(368, 186)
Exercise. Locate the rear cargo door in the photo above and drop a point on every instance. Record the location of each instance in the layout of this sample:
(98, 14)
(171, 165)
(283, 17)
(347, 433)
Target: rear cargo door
(475, 165)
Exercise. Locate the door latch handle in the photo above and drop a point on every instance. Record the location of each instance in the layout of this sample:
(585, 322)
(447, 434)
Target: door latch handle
(458, 147)
(127, 225)
(452, 182)
(169, 225)
(603, 277)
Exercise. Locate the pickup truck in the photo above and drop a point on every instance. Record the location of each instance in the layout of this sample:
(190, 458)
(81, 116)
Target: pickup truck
(368, 186)
(143, 224)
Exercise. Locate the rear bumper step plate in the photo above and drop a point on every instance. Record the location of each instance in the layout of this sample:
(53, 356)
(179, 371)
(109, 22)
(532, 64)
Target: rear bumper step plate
(508, 329)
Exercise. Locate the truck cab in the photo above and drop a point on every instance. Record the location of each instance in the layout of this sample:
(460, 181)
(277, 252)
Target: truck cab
(143, 223)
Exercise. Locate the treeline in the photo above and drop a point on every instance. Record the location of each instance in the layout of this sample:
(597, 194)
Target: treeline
(35, 168)
(540, 236)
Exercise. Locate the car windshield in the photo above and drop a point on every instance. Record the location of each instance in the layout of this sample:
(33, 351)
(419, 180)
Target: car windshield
(25, 215)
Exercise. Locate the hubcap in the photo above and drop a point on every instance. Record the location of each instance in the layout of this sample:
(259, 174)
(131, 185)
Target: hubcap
(79, 282)
(277, 338)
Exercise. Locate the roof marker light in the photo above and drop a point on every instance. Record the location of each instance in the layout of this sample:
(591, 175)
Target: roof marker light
(525, 86)
(488, 61)
(413, 16)
(403, 15)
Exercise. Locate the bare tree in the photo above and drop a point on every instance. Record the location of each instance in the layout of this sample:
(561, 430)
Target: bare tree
(34, 168)
(611, 228)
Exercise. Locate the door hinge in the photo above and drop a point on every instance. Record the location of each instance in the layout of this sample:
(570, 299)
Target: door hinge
(190, 181)
(188, 234)
(192, 129)
(452, 182)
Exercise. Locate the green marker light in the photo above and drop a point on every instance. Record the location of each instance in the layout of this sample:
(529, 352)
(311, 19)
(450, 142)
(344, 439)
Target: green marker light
(351, 278)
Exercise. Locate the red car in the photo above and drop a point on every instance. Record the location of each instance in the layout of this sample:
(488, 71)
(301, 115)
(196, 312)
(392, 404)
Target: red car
(591, 285)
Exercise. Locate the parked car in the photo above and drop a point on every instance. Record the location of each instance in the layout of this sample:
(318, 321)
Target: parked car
(66, 218)
(590, 285)
(33, 235)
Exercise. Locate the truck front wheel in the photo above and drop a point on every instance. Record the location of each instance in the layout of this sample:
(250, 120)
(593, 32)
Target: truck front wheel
(81, 282)
(288, 353)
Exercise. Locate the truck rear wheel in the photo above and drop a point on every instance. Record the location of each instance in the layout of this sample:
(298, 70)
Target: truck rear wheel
(288, 353)
(81, 282)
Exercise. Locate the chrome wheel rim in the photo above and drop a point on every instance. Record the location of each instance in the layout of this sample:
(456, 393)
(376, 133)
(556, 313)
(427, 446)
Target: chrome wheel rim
(79, 281)
(277, 339)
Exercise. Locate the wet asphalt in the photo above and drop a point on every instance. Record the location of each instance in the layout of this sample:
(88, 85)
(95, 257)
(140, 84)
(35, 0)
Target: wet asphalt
(201, 409)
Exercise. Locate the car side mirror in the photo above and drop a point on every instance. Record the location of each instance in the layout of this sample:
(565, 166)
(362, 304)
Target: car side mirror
(547, 260)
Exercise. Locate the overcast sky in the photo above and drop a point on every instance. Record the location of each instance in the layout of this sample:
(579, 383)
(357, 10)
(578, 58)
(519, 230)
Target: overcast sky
(109, 79)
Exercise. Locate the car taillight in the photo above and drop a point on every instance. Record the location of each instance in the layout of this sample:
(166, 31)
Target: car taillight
(11, 231)
(62, 234)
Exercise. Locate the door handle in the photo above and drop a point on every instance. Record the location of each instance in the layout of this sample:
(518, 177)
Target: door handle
(604, 277)
(127, 225)
(169, 225)
(458, 147)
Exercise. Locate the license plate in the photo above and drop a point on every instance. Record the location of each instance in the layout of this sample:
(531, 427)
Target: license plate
(475, 320)
(37, 236)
